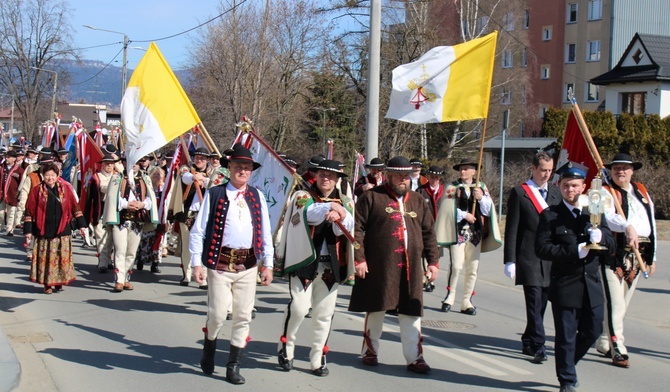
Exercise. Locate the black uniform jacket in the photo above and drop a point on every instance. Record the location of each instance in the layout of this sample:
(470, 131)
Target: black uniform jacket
(520, 227)
(558, 234)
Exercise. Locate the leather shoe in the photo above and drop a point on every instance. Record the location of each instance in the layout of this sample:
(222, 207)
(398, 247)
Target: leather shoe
(539, 357)
(445, 308)
(321, 372)
(284, 362)
(568, 388)
(155, 269)
(527, 350)
(370, 358)
(183, 282)
(102, 270)
(429, 287)
(607, 354)
(620, 361)
(128, 286)
(118, 288)
(469, 311)
(419, 366)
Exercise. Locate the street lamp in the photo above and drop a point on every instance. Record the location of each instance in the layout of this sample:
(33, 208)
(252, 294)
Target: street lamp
(323, 118)
(11, 124)
(124, 69)
(53, 97)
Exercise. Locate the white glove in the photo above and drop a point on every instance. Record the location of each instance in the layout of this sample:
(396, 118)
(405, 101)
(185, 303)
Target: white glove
(510, 270)
(582, 250)
(595, 235)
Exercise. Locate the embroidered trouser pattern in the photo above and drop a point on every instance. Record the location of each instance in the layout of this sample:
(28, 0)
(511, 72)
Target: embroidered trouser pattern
(322, 301)
(126, 241)
(410, 334)
(618, 296)
(104, 244)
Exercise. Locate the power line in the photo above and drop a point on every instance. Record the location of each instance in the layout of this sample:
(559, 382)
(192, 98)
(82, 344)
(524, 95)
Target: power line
(100, 71)
(234, 7)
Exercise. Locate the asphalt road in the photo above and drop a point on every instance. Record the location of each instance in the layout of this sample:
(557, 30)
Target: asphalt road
(89, 338)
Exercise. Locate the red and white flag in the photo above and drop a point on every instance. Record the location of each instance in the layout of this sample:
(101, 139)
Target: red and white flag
(90, 158)
(576, 150)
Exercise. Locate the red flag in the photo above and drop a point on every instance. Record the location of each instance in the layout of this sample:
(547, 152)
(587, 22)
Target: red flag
(575, 150)
(90, 157)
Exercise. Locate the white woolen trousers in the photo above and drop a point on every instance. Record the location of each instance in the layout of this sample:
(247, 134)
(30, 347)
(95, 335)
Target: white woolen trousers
(224, 288)
(410, 334)
(322, 301)
(618, 295)
(103, 244)
(463, 255)
(126, 242)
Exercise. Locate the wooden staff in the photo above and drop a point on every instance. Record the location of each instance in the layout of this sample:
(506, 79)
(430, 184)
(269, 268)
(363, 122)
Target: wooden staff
(479, 164)
(599, 162)
(208, 139)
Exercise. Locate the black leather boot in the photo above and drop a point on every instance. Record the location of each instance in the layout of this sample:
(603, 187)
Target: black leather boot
(207, 360)
(233, 366)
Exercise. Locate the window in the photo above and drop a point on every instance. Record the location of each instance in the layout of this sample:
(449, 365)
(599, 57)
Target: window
(506, 98)
(592, 92)
(633, 103)
(595, 9)
(524, 57)
(483, 24)
(508, 21)
(523, 94)
(543, 111)
(570, 53)
(544, 72)
(526, 19)
(507, 58)
(593, 51)
(572, 13)
(546, 33)
(569, 89)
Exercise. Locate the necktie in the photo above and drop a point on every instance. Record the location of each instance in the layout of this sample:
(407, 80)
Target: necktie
(577, 212)
(543, 192)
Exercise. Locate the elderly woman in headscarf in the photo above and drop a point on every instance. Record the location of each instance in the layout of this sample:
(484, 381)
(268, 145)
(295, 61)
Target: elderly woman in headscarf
(50, 208)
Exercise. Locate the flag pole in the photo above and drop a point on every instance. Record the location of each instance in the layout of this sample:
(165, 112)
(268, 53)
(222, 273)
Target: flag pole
(599, 163)
(479, 162)
(208, 139)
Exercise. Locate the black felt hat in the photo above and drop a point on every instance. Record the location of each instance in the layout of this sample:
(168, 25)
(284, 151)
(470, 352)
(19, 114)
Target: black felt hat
(238, 154)
(399, 164)
(201, 151)
(465, 162)
(436, 170)
(314, 161)
(329, 165)
(623, 158)
(375, 163)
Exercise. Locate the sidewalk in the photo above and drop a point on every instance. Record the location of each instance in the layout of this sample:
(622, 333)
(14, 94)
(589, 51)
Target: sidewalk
(10, 369)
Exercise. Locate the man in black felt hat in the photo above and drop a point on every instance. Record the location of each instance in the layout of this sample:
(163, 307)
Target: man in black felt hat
(395, 227)
(565, 237)
(635, 229)
(432, 191)
(231, 238)
(187, 197)
(416, 179)
(467, 224)
(315, 251)
(374, 178)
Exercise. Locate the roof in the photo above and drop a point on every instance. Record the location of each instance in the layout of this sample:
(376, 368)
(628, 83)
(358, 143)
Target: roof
(647, 58)
(519, 143)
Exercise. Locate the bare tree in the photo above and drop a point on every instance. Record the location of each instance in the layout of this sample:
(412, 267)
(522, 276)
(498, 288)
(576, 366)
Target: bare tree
(33, 34)
(255, 62)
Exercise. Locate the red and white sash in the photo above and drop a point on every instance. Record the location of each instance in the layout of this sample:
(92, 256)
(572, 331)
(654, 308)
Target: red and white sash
(535, 196)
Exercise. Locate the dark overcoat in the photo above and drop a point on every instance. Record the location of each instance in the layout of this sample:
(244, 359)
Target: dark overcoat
(520, 227)
(395, 275)
(572, 278)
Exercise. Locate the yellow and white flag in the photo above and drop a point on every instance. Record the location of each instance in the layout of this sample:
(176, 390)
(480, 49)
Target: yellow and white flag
(447, 83)
(154, 108)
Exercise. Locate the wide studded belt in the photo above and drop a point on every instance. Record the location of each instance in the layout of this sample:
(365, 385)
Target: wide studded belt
(236, 260)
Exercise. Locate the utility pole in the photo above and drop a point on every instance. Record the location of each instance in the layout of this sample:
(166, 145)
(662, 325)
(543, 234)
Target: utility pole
(372, 115)
(124, 67)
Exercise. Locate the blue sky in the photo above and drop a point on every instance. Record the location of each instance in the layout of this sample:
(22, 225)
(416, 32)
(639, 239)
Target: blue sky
(140, 20)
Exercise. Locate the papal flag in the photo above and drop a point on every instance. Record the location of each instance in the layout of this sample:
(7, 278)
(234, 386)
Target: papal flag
(155, 108)
(447, 83)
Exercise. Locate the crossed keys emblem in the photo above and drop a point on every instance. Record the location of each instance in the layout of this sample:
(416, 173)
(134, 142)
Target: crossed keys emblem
(390, 210)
